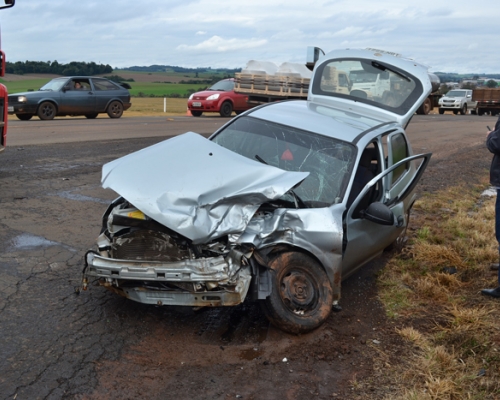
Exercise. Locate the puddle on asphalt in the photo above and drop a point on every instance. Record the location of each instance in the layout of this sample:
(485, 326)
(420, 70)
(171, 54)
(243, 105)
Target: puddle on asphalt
(80, 197)
(28, 241)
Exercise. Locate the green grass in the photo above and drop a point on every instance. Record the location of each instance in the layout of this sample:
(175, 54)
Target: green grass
(146, 88)
(162, 89)
(451, 330)
(24, 85)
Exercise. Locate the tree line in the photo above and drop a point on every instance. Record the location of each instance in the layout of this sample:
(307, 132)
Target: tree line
(73, 68)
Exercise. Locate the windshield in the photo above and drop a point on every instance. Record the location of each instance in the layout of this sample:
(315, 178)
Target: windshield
(328, 160)
(369, 82)
(54, 84)
(456, 93)
(223, 86)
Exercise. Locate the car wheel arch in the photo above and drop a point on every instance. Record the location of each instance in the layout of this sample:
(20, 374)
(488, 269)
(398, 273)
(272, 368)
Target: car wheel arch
(226, 100)
(40, 102)
(110, 101)
(115, 113)
(51, 101)
(266, 255)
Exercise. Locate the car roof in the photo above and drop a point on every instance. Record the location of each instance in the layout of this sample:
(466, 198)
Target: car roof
(80, 77)
(324, 120)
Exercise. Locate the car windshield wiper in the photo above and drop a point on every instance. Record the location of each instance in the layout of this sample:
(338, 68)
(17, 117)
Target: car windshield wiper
(298, 200)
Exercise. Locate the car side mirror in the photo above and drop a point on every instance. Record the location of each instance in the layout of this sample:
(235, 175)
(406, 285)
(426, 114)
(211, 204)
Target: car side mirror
(379, 213)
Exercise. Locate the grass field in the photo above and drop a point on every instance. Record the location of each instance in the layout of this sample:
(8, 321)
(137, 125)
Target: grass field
(145, 84)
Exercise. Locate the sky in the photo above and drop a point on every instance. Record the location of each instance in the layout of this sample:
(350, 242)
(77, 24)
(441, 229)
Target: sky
(447, 36)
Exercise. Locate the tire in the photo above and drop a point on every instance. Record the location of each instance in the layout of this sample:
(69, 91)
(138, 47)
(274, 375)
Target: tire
(24, 117)
(463, 110)
(480, 111)
(91, 116)
(301, 297)
(455, 112)
(425, 108)
(226, 109)
(46, 111)
(115, 109)
(196, 113)
(441, 111)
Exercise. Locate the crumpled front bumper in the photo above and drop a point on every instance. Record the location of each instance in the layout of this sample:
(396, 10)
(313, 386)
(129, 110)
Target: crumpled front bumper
(217, 281)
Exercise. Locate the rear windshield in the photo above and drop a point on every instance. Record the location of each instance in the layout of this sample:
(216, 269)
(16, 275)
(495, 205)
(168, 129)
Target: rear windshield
(368, 82)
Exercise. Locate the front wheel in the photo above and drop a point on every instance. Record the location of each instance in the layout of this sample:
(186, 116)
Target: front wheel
(115, 109)
(463, 110)
(24, 117)
(196, 113)
(46, 111)
(91, 116)
(301, 297)
(226, 109)
(441, 111)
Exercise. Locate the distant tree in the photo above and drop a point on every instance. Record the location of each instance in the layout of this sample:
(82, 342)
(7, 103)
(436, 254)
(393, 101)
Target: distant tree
(491, 83)
(444, 88)
(468, 85)
(48, 67)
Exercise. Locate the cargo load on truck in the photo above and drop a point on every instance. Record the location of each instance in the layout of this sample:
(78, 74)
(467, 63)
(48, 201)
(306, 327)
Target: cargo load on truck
(264, 81)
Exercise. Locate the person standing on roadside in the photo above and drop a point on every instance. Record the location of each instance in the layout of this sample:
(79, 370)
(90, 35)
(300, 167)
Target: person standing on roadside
(493, 145)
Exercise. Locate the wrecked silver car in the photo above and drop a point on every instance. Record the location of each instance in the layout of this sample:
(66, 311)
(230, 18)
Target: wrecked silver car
(280, 204)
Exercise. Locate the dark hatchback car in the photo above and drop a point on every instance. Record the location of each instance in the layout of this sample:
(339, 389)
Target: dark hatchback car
(77, 95)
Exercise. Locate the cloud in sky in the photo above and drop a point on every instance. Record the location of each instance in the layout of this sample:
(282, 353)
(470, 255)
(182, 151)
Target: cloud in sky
(448, 37)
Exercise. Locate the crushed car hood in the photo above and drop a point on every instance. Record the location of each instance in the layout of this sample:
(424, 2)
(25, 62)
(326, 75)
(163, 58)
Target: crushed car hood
(196, 187)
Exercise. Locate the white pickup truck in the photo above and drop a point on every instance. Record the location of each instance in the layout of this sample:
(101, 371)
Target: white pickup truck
(457, 100)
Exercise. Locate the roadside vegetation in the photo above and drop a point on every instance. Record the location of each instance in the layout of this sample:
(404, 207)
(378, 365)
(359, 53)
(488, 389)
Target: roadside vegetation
(168, 84)
(431, 291)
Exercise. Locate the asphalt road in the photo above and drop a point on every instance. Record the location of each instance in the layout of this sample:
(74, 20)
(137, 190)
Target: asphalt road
(55, 344)
(80, 129)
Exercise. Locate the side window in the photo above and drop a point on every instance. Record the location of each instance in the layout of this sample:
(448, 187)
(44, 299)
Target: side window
(399, 151)
(103, 84)
(78, 84)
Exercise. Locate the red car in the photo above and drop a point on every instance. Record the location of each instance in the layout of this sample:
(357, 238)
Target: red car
(220, 98)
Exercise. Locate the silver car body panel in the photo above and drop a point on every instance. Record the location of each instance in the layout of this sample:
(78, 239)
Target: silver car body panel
(196, 187)
(208, 193)
(226, 277)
